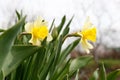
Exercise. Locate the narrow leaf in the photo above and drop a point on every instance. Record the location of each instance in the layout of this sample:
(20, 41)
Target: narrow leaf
(1, 75)
(2, 30)
(52, 25)
(95, 75)
(16, 56)
(18, 15)
(66, 30)
(77, 75)
(7, 40)
(113, 75)
(61, 24)
(102, 72)
(78, 63)
(67, 50)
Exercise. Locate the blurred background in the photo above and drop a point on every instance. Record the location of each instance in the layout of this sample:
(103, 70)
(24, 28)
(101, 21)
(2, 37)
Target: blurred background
(104, 14)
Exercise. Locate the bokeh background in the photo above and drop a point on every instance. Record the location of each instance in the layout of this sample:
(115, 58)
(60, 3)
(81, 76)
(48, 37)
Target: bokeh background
(104, 14)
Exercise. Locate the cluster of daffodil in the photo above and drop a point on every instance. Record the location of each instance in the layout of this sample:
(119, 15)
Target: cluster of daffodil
(39, 31)
(30, 51)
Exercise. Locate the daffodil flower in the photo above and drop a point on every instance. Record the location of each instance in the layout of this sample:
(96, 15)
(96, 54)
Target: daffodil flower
(88, 33)
(39, 31)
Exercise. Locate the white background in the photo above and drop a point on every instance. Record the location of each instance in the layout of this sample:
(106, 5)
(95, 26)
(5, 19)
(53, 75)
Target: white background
(105, 15)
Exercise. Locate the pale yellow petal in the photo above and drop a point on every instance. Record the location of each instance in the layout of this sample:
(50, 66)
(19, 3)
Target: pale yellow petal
(39, 22)
(28, 27)
(83, 43)
(86, 45)
(87, 24)
(43, 22)
(87, 51)
(34, 41)
(90, 46)
(49, 38)
(39, 18)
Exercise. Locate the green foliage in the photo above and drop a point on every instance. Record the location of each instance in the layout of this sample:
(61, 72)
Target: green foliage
(77, 75)
(78, 63)
(61, 24)
(16, 56)
(2, 30)
(6, 41)
(102, 72)
(113, 75)
(95, 75)
(19, 60)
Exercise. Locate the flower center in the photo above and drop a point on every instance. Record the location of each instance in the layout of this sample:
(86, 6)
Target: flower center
(40, 32)
(89, 34)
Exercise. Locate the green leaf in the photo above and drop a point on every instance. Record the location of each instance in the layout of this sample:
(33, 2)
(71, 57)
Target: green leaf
(95, 75)
(61, 24)
(46, 65)
(77, 75)
(67, 50)
(52, 25)
(78, 63)
(66, 30)
(58, 49)
(102, 72)
(16, 56)
(37, 63)
(2, 30)
(113, 75)
(18, 15)
(1, 75)
(33, 65)
(7, 39)
(63, 70)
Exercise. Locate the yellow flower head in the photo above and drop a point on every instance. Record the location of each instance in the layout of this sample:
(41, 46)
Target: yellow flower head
(39, 31)
(88, 33)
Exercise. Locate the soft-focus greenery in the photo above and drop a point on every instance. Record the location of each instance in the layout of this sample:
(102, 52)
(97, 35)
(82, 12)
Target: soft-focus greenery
(100, 73)
(20, 60)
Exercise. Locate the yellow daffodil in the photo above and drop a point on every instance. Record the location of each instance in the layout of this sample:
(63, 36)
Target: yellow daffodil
(39, 31)
(88, 33)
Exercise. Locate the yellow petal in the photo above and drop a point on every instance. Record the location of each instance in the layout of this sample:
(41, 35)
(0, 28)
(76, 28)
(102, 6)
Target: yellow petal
(28, 27)
(40, 32)
(89, 34)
